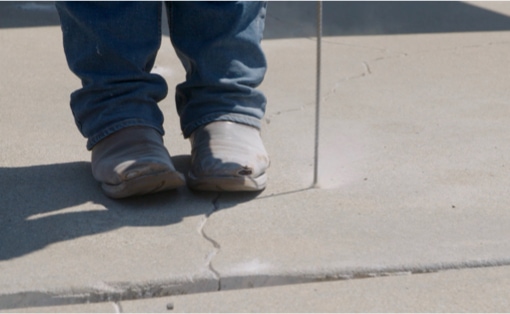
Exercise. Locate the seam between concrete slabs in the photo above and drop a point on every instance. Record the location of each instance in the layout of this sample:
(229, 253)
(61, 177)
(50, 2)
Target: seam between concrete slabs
(75, 298)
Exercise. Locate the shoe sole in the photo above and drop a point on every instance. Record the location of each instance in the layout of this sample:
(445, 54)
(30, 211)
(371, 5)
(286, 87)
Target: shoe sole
(227, 184)
(147, 184)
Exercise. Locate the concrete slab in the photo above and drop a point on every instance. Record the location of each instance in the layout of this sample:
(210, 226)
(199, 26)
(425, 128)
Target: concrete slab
(455, 291)
(413, 167)
(477, 290)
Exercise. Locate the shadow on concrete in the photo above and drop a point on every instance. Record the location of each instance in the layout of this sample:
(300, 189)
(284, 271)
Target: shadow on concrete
(293, 19)
(356, 18)
(46, 204)
(28, 14)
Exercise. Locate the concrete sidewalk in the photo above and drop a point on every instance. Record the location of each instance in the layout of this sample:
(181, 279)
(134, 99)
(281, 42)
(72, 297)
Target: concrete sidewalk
(412, 209)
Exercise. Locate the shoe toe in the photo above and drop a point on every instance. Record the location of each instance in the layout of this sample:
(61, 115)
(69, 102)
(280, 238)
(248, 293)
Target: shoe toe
(134, 161)
(228, 156)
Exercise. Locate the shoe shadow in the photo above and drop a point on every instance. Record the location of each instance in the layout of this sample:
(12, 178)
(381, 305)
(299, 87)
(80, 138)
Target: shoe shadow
(45, 204)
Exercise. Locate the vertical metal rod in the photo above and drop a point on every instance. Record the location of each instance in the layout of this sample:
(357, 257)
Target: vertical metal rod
(317, 94)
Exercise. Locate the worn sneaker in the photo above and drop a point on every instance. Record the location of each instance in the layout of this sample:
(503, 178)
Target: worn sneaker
(134, 161)
(227, 156)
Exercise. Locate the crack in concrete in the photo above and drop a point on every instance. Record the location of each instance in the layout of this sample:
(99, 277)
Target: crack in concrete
(121, 291)
(463, 47)
(214, 243)
(336, 43)
(270, 116)
(366, 71)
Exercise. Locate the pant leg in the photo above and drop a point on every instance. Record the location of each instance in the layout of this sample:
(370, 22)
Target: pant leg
(219, 45)
(111, 47)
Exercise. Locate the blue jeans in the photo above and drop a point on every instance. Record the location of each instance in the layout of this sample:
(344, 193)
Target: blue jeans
(112, 46)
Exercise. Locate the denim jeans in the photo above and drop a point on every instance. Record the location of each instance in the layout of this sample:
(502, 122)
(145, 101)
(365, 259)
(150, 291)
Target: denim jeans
(112, 46)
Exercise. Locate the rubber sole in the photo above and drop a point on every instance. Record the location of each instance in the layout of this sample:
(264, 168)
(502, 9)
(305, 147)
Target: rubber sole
(227, 184)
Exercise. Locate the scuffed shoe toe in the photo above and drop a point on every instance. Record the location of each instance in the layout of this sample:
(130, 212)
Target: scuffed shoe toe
(134, 161)
(227, 156)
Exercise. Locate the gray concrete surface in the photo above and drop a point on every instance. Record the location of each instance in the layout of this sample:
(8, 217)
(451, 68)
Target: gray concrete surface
(413, 175)
(469, 290)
